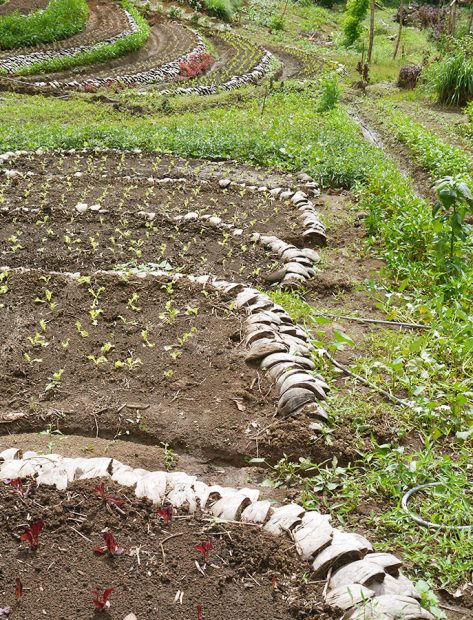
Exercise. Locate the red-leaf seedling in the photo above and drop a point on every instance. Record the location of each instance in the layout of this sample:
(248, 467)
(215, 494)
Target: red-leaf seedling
(18, 589)
(204, 548)
(31, 534)
(18, 487)
(102, 603)
(200, 612)
(109, 500)
(110, 545)
(165, 513)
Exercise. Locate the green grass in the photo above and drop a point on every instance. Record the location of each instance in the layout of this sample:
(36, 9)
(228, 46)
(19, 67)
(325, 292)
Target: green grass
(438, 157)
(432, 372)
(60, 19)
(367, 495)
(100, 53)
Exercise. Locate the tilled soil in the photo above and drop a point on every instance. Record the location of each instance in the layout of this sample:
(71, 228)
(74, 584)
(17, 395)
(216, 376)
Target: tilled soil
(92, 241)
(130, 356)
(118, 164)
(248, 574)
(57, 196)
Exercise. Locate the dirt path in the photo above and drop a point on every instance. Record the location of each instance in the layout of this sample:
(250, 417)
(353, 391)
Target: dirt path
(373, 130)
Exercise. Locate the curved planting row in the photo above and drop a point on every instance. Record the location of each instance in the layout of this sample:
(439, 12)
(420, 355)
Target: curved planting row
(170, 46)
(62, 214)
(106, 20)
(301, 65)
(62, 55)
(364, 583)
(242, 63)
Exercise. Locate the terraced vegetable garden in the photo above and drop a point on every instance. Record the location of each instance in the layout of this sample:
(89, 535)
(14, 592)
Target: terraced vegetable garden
(235, 336)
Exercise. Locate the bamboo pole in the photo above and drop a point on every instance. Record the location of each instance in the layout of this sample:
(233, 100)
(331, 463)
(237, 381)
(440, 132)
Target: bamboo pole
(371, 41)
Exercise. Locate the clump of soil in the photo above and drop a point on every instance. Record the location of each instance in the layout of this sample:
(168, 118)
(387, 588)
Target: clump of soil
(248, 575)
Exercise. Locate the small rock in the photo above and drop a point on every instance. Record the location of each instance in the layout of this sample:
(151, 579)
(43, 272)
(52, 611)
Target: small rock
(224, 183)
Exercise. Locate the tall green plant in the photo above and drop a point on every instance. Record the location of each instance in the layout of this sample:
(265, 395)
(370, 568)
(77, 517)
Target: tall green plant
(355, 13)
(452, 79)
(455, 202)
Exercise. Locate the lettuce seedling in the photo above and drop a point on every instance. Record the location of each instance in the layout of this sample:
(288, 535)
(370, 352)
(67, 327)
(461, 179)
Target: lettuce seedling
(111, 546)
(101, 604)
(165, 513)
(31, 534)
(204, 548)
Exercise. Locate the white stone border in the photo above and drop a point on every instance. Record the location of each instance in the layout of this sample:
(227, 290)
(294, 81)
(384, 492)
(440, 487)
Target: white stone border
(358, 579)
(298, 263)
(162, 73)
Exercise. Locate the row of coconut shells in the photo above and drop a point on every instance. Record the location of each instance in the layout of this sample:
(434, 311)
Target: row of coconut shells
(163, 73)
(257, 73)
(314, 231)
(283, 350)
(298, 263)
(358, 579)
(274, 343)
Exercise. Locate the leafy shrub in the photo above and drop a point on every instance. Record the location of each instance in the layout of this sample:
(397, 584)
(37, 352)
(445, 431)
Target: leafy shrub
(329, 95)
(175, 12)
(222, 9)
(452, 79)
(455, 202)
(355, 13)
(61, 19)
(277, 23)
(409, 76)
(194, 65)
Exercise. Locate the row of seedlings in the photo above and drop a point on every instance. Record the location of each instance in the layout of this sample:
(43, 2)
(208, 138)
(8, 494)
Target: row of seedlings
(365, 584)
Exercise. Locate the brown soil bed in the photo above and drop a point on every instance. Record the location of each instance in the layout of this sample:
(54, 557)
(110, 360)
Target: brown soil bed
(118, 164)
(190, 388)
(166, 42)
(57, 197)
(91, 241)
(61, 575)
